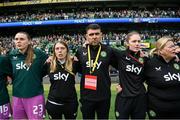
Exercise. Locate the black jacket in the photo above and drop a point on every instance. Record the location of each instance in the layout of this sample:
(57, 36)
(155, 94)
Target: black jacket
(163, 81)
(106, 58)
(131, 67)
(62, 87)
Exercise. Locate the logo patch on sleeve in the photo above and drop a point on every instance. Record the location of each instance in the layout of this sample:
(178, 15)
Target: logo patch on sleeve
(141, 60)
(176, 66)
(103, 54)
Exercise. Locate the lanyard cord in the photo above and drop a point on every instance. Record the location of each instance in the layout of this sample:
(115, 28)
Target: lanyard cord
(67, 70)
(135, 59)
(96, 60)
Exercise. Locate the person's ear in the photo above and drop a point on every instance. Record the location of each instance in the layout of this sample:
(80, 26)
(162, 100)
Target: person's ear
(29, 42)
(86, 35)
(160, 52)
(126, 43)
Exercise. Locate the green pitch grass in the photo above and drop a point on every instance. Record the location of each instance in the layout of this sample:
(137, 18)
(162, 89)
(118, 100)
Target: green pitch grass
(113, 95)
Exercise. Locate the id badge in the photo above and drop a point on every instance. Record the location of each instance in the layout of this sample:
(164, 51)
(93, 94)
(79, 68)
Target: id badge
(91, 82)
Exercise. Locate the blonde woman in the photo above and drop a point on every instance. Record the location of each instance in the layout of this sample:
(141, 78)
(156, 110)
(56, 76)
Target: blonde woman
(62, 98)
(162, 73)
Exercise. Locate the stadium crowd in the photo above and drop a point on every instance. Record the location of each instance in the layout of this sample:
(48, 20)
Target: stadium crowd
(75, 40)
(90, 14)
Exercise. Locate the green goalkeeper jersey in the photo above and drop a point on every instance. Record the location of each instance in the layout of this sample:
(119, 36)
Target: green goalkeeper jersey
(27, 80)
(5, 69)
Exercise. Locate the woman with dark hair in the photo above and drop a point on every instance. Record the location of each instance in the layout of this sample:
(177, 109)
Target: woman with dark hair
(28, 65)
(162, 72)
(62, 98)
(131, 98)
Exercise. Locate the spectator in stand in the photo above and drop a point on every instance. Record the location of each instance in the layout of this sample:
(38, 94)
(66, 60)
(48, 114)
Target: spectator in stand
(87, 14)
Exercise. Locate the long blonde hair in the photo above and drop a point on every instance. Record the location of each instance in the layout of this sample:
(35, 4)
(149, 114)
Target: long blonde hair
(68, 63)
(30, 51)
(160, 45)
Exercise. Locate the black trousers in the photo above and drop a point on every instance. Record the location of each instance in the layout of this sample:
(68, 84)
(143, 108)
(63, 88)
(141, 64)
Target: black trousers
(101, 108)
(69, 110)
(131, 107)
(153, 114)
(163, 109)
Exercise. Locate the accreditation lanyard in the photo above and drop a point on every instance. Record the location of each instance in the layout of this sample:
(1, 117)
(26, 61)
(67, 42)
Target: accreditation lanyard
(67, 70)
(96, 60)
(135, 59)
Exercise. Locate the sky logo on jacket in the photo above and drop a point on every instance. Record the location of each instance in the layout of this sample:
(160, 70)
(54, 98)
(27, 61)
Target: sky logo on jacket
(61, 76)
(21, 66)
(170, 76)
(98, 64)
(132, 68)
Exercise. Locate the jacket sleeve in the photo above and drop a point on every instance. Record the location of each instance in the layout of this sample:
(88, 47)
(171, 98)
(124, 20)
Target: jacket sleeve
(6, 66)
(114, 58)
(77, 64)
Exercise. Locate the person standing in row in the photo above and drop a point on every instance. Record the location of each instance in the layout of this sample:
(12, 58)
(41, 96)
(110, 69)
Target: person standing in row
(28, 70)
(62, 98)
(94, 60)
(162, 73)
(5, 70)
(131, 98)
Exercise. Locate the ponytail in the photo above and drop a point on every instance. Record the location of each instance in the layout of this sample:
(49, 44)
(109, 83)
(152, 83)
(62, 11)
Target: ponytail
(30, 55)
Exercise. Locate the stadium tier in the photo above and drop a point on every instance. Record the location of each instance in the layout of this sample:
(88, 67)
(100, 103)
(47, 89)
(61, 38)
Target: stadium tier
(66, 20)
(89, 21)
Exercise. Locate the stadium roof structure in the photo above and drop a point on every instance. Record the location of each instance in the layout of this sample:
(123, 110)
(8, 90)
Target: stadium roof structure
(4, 3)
